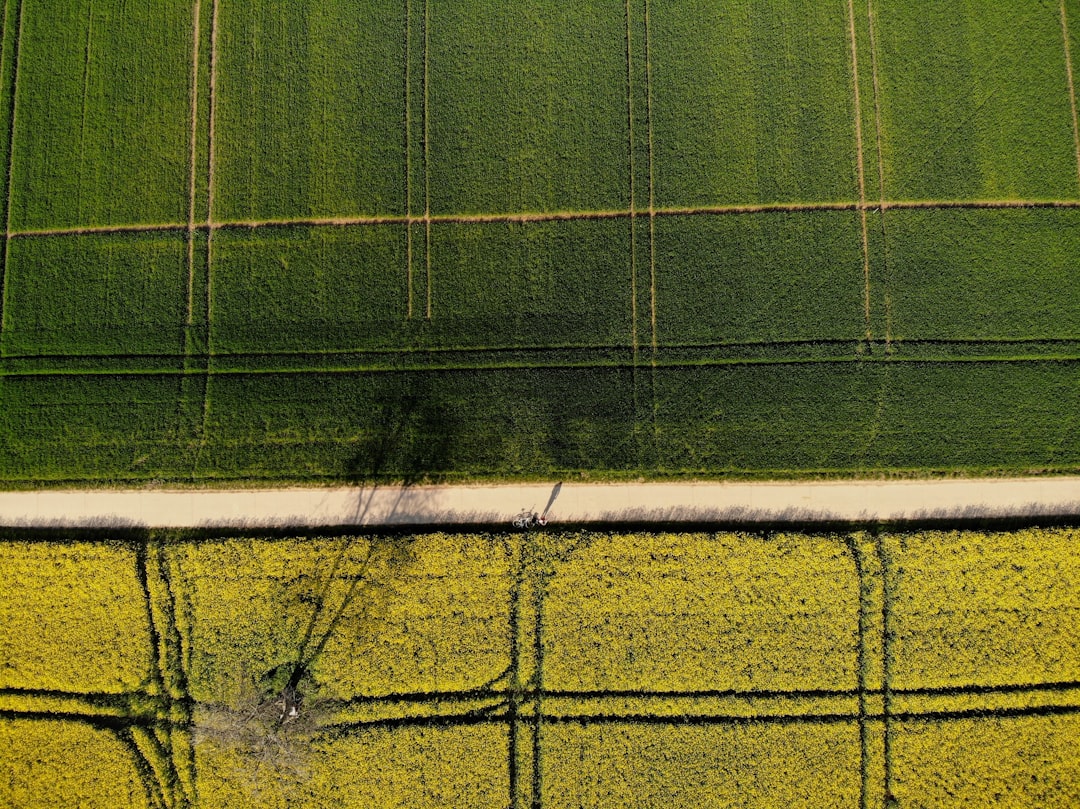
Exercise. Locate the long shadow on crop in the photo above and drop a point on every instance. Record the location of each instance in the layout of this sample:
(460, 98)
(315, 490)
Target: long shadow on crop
(412, 440)
(412, 443)
(340, 593)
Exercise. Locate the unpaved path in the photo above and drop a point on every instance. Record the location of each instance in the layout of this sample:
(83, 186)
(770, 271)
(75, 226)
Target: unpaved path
(733, 503)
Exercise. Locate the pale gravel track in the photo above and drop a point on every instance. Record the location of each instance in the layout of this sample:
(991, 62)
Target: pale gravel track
(574, 503)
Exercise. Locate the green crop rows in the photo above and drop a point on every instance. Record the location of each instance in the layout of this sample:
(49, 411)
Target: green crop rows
(343, 241)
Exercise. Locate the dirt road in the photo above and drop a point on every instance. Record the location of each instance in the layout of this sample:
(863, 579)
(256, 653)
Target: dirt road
(749, 503)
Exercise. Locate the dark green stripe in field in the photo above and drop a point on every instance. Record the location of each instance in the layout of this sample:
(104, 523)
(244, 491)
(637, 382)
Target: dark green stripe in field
(131, 294)
(747, 420)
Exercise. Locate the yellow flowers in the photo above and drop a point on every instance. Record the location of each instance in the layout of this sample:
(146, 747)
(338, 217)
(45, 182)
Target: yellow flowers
(987, 609)
(702, 612)
(581, 669)
(74, 618)
(47, 764)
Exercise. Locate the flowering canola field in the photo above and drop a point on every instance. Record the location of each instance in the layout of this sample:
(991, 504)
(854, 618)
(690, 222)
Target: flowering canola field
(546, 669)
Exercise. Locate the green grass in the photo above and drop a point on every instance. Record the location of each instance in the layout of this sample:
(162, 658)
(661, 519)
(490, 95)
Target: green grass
(759, 278)
(975, 101)
(102, 127)
(310, 110)
(116, 294)
(970, 275)
(91, 428)
(308, 289)
(863, 418)
(527, 107)
(536, 284)
(482, 423)
(752, 103)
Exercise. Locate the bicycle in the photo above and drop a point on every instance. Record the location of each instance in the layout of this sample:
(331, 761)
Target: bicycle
(529, 519)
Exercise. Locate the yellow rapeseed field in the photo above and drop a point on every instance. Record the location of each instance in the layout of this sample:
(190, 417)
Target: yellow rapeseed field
(66, 764)
(74, 618)
(560, 669)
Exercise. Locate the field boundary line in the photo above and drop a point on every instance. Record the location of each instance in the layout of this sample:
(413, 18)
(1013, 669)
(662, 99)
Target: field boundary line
(871, 25)
(860, 168)
(427, 156)
(1072, 86)
(408, 164)
(558, 216)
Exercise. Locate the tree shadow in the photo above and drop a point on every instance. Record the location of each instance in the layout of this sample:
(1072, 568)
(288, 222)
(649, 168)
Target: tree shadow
(411, 442)
(412, 439)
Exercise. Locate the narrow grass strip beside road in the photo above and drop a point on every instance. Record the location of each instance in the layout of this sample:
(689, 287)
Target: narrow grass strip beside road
(701, 502)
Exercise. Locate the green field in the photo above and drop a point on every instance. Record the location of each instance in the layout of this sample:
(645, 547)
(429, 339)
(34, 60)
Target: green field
(347, 241)
(861, 669)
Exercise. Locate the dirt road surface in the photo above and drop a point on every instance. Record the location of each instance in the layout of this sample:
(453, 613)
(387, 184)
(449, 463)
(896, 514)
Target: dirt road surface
(563, 503)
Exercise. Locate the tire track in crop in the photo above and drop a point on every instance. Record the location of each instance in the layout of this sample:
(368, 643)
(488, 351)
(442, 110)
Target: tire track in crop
(871, 25)
(633, 195)
(85, 93)
(408, 164)
(193, 161)
(514, 707)
(10, 143)
(352, 370)
(888, 597)
(13, 96)
(643, 437)
(192, 388)
(517, 688)
(860, 170)
(1072, 88)
(537, 561)
(155, 742)
(154, 745)
(652, 237)
(427, 155)
(208, 308)
(861, 672)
